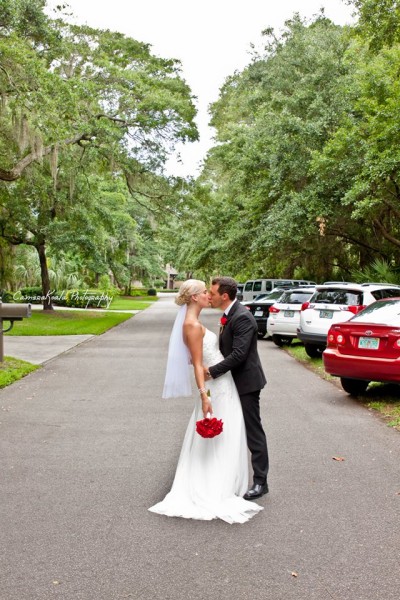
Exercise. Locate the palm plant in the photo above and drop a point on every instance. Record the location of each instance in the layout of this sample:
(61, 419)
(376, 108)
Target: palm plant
(379, 271)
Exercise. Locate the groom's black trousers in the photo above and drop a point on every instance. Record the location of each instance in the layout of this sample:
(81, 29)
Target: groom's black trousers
(256, 438)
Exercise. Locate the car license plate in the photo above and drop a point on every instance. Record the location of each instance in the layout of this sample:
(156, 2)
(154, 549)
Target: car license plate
(258, 313)
(288, 313)
(325, 314)
(368, 343)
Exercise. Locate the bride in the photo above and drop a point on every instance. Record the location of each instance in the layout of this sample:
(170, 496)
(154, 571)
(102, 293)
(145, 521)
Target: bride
(212, 473)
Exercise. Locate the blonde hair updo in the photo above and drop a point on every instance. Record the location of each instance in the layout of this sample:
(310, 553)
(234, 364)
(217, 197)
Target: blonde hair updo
(189, 288)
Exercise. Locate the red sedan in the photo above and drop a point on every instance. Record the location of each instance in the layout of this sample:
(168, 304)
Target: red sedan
(366, 348)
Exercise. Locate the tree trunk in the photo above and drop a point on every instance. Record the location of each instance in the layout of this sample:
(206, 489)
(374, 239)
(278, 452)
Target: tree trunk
(128, 288)
(365, 257)
(6, 265)
(44, 273)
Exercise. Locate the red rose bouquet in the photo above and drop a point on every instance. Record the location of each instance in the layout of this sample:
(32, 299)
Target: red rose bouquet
(209, 428)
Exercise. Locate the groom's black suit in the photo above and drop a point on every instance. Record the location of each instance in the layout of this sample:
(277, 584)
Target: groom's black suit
(238, 344)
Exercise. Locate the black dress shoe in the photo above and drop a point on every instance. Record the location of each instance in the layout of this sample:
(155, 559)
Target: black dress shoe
(256, 491)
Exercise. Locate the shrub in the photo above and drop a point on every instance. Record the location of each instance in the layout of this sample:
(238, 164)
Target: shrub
(152, 292)
(32, 295)
(59, 297)
(74, 299)
(111, 291)
(378, 270)
(6, 297)
(159, 284)
(86, 299)
(106, 288)
(137, 292)
(104, 282)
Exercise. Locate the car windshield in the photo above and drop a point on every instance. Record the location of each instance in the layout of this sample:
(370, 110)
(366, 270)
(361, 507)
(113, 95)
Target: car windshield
(274, 295)
(383, 312)
(296, 297)
(259, 297)
(337, 296)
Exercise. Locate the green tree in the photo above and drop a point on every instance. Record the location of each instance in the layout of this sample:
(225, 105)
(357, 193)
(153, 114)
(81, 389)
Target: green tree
(359, 166)
(270, 119)
(304, 179)
(79, 106)
(379, 22)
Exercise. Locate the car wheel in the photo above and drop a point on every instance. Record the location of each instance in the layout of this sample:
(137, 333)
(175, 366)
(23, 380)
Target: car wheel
(354, 387)
(280, 340)
(314, 351)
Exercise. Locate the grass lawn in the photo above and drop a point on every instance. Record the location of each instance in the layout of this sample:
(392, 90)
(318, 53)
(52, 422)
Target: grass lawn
(383, 398)
(13, 369)
(130, 303)
(68, 322)
(315, 364)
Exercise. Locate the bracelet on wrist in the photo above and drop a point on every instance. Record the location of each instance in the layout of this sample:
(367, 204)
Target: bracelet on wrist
(202, 390)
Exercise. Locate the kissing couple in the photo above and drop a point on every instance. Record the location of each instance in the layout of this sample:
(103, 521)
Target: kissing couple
(211, 477)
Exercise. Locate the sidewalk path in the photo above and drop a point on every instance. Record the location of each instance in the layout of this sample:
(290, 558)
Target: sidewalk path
(87, 445)
(40, 349)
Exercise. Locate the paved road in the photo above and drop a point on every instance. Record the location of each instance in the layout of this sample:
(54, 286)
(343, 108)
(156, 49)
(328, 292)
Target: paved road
(86, 445)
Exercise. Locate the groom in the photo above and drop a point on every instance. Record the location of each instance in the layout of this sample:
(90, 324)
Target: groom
(238, 344)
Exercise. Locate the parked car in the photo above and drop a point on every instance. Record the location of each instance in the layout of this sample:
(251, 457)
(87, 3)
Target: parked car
(253, 287)
(336, 303)
(256, 299)
(239, 294)
(260, 309)
(284, 315)
(366, 348)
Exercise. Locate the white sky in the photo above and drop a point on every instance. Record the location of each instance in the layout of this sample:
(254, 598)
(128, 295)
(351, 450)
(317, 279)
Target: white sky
(211, 38)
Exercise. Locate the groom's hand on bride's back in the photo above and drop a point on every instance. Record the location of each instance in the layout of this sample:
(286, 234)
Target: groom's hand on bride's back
(207, 375)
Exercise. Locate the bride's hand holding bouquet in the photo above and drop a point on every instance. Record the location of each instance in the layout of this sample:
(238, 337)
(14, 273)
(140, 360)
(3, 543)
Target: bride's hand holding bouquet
(206, 405)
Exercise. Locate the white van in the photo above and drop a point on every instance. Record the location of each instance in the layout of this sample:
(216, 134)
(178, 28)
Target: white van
(253, 287)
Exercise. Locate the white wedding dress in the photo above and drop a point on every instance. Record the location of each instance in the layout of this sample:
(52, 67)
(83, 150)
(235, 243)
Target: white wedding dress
(212, 474)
